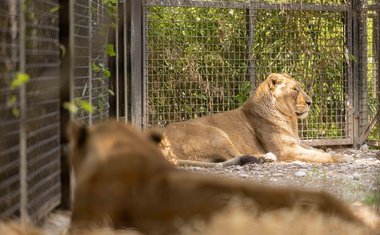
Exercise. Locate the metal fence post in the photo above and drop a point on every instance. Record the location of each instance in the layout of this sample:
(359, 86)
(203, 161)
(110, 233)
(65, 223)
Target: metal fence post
(355, 70)
(134, 61)
(250, 29)
(23, 145)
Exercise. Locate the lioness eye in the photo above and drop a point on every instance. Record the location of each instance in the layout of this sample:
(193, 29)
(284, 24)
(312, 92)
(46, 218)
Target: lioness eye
(295, 89)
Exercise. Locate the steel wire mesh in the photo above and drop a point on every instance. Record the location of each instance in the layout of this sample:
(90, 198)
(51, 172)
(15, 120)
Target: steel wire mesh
(100, 21)
(371, 70)
(42, 107)
(207, 58)
(9, 122)
(82, 58)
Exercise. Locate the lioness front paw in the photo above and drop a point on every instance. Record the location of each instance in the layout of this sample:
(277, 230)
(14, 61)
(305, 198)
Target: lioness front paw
(268, 157)
(343, 158)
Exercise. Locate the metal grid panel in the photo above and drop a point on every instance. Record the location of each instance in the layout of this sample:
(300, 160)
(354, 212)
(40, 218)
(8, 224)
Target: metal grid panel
(82, 58)
(100, 21)
(9, 123)
(42, 107)
(202, 60)
(371, 68)
(310, 46)
(197, 62)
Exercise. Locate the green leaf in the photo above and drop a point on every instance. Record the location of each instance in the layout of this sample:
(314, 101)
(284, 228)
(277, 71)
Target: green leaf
(15, 111)
(95, 67)
(107, 73)
(71, 107)
(110, 49)
(63, 50)
(86, 106)
(19, 80)
(13, 99)
(54, 9)
(111, 92)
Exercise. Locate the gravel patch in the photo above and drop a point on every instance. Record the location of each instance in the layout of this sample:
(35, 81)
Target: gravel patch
(355, 181)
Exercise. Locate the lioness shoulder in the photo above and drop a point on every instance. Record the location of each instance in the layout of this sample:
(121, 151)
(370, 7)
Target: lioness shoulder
(265, 123)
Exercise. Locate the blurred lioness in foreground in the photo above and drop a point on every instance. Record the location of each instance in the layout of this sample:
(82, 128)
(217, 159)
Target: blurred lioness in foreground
(123, 181)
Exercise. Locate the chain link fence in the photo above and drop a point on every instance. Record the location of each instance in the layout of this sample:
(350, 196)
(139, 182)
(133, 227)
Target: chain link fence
(370, 40)
(30, 90)
(204, 57)
(29, 156)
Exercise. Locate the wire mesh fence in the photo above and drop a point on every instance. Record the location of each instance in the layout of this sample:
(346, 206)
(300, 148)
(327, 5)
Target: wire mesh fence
(30, 140)
(206, 56)
(91, 23)
(371, 72)
(42, 107)
(30, 182)
(9, 124)
(82, 58)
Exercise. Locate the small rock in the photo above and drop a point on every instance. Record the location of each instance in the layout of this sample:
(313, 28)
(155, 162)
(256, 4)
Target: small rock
(299, 163)
(277, 175)
(328, 150)
(364, 147)
(300, 173)
(219, 166)
(356, 176)
(244, 175)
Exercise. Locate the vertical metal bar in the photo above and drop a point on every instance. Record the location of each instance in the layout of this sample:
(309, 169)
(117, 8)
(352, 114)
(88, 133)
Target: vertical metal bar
(134, 63)
(117, 67)
(144, 71)
(23, 136)
(90, 62)
(355, 70)
(250, 27)
(125, 70)
(349, 79)
(363, 63)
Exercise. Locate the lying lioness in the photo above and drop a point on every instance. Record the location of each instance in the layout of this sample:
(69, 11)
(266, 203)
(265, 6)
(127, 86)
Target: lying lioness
(123, 180)
(266, 122)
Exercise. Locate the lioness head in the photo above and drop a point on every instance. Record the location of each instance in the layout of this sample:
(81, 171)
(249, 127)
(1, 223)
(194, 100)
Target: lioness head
(89, 146)
(289, 97)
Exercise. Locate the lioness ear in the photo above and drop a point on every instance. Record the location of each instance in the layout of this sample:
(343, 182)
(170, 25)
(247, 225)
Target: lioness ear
(273, 80)
(154, 134)
(77, 133)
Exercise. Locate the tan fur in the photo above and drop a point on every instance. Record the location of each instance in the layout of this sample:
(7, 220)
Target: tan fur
(123, 180)
(235, 218)
(266, 122)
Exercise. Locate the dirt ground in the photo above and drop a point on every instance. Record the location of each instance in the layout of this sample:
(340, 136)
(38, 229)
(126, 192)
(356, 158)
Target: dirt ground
(351, 182)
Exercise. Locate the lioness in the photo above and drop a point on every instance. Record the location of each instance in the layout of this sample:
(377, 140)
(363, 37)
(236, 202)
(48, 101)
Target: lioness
(266, 122)
(123, 180)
